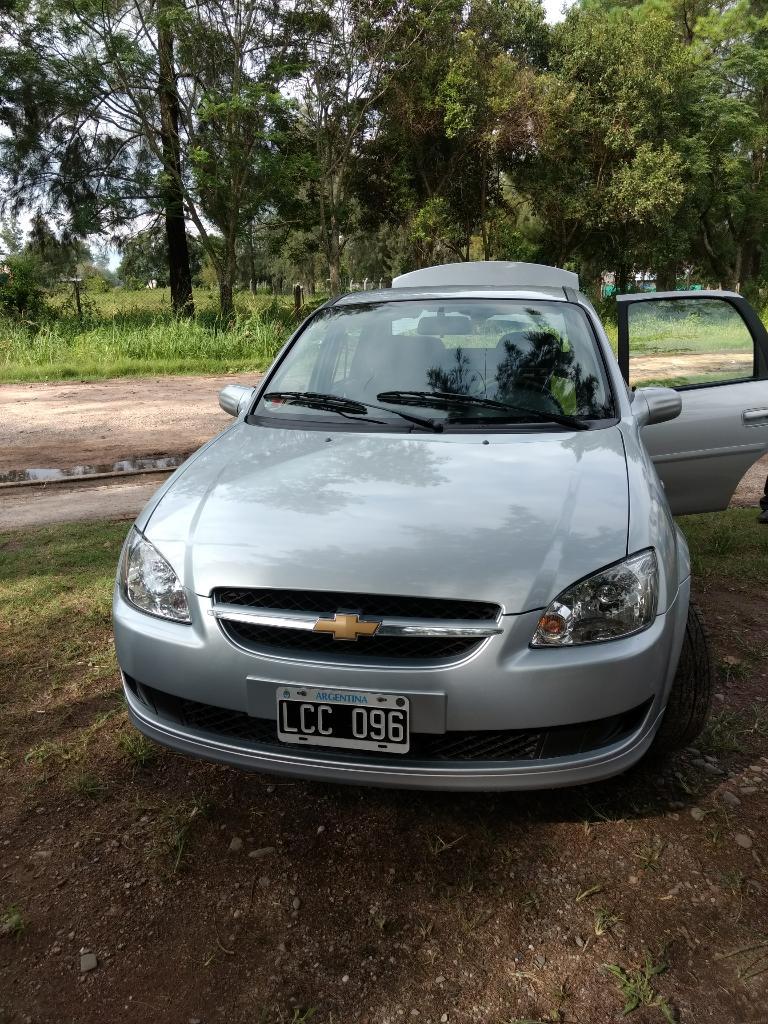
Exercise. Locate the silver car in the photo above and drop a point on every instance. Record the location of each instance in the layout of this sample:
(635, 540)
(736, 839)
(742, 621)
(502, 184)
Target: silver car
(435, 548)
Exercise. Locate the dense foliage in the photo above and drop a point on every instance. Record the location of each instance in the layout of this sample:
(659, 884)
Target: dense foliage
(329, 141)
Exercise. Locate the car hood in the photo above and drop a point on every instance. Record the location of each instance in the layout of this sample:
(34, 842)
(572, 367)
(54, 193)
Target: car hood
(508, 518)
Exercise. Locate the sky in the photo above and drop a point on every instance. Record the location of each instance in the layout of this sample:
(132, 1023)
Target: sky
(553, 9)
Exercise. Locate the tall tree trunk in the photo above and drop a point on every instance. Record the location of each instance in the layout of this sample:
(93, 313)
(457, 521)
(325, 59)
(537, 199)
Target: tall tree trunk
(622, 280)
(751, 261)
(225, 294)
(251, 262)
(334, 256)
(173, 200)
(227, 273)
(666, 276)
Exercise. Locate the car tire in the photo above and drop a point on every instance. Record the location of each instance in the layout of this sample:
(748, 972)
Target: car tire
(690, 698)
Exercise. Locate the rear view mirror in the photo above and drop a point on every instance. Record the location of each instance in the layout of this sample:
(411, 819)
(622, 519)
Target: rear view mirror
(234, 397)
(656, 405)
(444, 324)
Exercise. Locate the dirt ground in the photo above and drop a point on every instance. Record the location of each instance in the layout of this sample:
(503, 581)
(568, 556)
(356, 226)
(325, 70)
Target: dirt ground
(684, 364)
(151, 888)
(25, 507)
(98, 423)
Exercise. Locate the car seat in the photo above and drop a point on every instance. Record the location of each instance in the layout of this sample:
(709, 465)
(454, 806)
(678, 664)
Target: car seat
(396, 363)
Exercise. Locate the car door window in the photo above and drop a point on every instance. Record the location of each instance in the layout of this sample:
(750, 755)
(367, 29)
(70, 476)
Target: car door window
(713, 348)
(688, 342)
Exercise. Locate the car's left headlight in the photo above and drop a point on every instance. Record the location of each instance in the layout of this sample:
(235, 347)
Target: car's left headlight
(615, 602)
(149, 582)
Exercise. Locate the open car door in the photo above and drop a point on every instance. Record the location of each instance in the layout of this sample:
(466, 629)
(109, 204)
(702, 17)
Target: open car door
(712, 347)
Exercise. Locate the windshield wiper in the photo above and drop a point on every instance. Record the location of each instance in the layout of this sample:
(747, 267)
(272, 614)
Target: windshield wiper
(345, 406)
(440, 399)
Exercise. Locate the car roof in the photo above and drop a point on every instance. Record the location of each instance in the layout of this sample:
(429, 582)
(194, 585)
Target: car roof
(400, 294)
(489, 273)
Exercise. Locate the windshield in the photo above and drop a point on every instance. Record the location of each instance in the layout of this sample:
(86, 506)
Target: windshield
(444, 364)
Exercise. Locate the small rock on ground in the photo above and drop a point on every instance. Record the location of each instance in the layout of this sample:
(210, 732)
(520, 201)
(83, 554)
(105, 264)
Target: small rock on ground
(236, 845)
(265, 851)
(730, 798)
(88, 962)
(697, 814)
(743, 840)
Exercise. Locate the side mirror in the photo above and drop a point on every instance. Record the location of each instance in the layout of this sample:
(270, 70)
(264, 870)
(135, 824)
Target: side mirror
(656, 405)
(233, 397)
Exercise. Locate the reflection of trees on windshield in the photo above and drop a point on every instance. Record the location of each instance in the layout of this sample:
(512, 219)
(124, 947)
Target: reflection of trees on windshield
(458, 378)
(538, 360)
(543, 363)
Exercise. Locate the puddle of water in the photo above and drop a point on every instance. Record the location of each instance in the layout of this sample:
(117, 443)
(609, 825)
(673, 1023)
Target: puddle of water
(41, 474)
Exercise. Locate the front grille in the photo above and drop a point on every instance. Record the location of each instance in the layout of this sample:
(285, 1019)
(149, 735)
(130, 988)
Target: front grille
(480, 745)
(300, 641)
(325, 602)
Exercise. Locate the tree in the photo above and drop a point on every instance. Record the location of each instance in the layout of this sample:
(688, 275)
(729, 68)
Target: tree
(621, 148)
(145, 257)
(234, 112)
(734, 205)
(188, 92)
(355, 53)
(56, 256)
(462, 106)
(177, 244)
(72, 148)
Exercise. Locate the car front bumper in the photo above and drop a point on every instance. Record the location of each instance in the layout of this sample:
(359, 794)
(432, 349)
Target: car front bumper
(504, 686)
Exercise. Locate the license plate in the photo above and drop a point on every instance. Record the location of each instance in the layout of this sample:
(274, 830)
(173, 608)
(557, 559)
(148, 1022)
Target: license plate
(319, 717)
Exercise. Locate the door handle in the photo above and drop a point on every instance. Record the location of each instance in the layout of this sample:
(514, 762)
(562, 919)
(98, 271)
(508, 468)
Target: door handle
(754, 417)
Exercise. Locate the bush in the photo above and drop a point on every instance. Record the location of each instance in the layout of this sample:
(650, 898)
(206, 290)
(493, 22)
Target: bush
(98, 283)
(21, 287)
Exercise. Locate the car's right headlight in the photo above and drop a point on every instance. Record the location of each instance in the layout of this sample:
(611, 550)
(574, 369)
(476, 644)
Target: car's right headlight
(615, 602)
(149, 582)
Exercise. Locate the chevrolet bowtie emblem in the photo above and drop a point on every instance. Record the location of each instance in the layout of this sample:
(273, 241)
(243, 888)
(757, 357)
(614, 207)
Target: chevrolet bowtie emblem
(346, 627)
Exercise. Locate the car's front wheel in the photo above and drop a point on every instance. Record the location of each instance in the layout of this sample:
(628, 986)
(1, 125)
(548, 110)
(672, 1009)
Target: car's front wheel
(691, 695)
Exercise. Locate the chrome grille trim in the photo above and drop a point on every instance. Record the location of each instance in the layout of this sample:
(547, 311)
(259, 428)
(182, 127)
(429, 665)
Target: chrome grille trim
(390, 626)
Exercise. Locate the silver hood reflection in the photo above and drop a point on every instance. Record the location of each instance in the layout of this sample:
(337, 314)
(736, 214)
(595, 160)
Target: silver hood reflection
(509, 518)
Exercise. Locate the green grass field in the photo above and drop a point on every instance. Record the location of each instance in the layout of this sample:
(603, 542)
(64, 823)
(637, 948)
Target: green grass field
(125, 333)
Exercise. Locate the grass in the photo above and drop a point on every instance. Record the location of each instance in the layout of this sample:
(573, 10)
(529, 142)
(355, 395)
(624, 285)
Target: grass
(636, 986)
(12, 922)
(137, 747)
(56, 585)
(729, 731)
(125, 333)
(605, 920)
(178, 824)
(730, 545)
(717, 327)
(89, 785)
